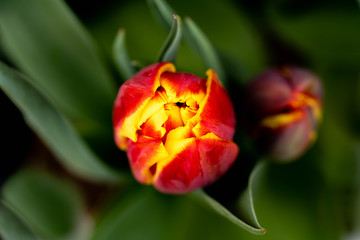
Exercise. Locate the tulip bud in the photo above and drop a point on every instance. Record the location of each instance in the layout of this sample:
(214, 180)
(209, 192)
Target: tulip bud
(176, 128)
(284, 108)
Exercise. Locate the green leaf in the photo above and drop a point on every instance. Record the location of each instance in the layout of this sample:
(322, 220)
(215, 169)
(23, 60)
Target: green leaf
(220, 209)
(51, 46)
(142, 214)
(197, 40)
(242, 52)
(295, 203)
(171, 46)
(246, 201)
(11, 227)
(162, 11)
(155, 212)
(51, 207)
(291, 199)
(121, 58)
(54, 128)
(203, 47)
(246, 205)
(147, 214)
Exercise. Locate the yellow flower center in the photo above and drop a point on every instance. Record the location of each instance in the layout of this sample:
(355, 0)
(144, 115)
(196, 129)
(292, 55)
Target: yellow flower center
(166, 112)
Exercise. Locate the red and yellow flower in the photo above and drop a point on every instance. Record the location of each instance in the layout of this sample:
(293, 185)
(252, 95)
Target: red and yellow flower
(284, 108)
(176, 128)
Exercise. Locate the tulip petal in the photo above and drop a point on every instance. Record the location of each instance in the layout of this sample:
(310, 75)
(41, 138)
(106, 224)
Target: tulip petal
(154, 105)
(200, 163)
(174, 117)
(314, 105)
(132, 98)
(189, 110)
(181, 86)
(279, 120)
(216, 113)
(178, 139)
(295, 108)
(142, 155)
(296, 136)
(306, 82)
(268, 94)
(153, 127)
(273, 91)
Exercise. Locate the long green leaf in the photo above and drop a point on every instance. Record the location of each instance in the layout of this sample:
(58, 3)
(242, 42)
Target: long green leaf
(55, 129)
(147, 214)
(122, 60)
(246, 201)
(249, 220)
(11, 227)
(171, 46)
(204, 47)
(197, 40)
(162, 11)
(51, 207)
(221, 210)
(142, 214)
(50, 45)
(242, 51)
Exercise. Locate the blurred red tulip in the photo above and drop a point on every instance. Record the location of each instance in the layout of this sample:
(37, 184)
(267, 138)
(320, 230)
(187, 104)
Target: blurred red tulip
(284, 108)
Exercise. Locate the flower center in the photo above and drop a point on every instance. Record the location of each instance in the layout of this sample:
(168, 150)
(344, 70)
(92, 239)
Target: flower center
(164, 114)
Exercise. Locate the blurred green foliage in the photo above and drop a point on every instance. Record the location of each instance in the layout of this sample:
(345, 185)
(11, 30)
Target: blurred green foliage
(67, 63)
(11, 226)
(51, 206)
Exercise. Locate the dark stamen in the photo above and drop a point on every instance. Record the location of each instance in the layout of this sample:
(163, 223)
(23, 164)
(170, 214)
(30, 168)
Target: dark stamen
(152, 169)
(160, 88)
(179, 104)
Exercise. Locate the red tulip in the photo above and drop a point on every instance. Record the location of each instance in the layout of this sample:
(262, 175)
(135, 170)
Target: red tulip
(176, 128)
(284, 107)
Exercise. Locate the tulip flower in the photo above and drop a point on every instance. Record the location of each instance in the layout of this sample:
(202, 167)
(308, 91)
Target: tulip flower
(176, 128)
(284, 108)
